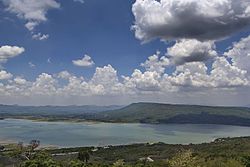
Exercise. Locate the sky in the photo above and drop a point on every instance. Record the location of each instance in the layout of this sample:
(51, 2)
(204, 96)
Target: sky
(117, 52)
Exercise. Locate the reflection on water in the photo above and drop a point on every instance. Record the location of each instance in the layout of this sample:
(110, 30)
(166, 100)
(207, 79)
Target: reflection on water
(66, 134)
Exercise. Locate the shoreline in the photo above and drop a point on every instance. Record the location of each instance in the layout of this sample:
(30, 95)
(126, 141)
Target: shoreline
(7, 142)
(53, 147)
(92, 122)
(53, 120)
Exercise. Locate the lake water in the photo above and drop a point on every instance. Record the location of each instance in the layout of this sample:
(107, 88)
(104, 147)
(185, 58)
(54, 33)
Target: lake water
(66, 134)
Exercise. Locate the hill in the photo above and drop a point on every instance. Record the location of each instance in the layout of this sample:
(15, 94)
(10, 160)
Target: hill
(154, 113)
(169, 113)
(62, 112)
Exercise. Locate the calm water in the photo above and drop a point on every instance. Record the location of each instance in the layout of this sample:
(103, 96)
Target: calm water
(64, 134)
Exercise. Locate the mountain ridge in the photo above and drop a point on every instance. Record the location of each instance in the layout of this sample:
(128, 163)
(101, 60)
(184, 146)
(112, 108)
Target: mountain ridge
(174, 113)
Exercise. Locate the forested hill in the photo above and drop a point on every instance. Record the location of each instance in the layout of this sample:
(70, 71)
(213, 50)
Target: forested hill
(169, 113)
(135, 113)
(17, 110)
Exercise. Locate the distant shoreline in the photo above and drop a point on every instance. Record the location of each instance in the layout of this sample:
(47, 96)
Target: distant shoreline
(145, 113)
(6, 141)
(53, 120)
(73, 120)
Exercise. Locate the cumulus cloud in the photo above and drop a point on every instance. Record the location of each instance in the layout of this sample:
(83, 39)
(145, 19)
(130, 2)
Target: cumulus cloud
(64, 75)
(32, 11)
(20, 81)
(45, 84)
(40, 36)
(191, 19)
(86, 61)
(7, 52)
(5, 75)
(240, 54)
(106, 79)
(196, 75)
(226, 75)
(153, 81)
(185, 51)
(156, 63)
(31, 25)
(147, 81)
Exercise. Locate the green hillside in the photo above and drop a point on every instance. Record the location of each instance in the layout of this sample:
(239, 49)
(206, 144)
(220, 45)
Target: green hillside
(135, 113)
(168, 113)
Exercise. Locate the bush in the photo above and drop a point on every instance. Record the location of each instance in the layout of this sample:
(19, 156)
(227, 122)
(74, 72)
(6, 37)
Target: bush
(40, 159)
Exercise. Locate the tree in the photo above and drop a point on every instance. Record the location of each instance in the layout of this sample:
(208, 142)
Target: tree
(246, 161)
(34, 144)
(83, 156)
(40, 159)
(1, 148)
(76, 163)
(182, 159)
(119, 163)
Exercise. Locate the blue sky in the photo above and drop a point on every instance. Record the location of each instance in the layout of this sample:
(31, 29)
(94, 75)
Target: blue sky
(118, 52)
(100, 29)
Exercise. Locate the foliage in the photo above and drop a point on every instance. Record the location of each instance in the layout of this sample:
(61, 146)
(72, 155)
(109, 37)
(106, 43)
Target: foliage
(83, 156)
(41, 159)
(183, 159)
(76, 163)
(228, 152)
(137, 112)
(246, 160)
(119, 163)
(167, 113)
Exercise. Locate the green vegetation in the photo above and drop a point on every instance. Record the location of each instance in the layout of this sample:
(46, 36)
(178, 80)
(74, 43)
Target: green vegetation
(166, 113)
(135, 113)
(228, 152)
(51, 113)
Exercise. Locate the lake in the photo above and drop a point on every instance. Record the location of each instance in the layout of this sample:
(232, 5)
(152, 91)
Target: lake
(67, 134)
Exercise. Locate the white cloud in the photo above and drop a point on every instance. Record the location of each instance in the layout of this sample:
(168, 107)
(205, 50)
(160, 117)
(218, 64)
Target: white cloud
(196, 75)
(193, 19)
(81, 1)
(189, 75)
(105, 75)
(190, 79)
(7, 52)
(49, 60)
(40, 36)
(148, 81)
(31, 25)
(156, 63)
(106, 79)
(32, 65)
(32, 11)
(226, 75)
(185, 51)
(20, 81)
(64, 75)
(4, 75)
(240, 54)
(45, 84)
(86, 61)
(159, 79)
